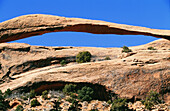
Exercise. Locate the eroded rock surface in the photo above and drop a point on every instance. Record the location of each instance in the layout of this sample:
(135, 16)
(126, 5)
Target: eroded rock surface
(130, 75)
(38, 24)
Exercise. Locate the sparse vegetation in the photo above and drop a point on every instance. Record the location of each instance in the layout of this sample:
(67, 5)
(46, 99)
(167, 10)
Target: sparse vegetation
(4, 104)
(151, 48)
(109, 102)
(73, 95)
(45, 94)
(148, 105)
(119, 104)
(126, 49)
(19, 108)
(7, 93)
(151, 100)
(83, 57)
(63, 62)
(56, 106)
(70, 99)
(107, 58)
(34, 103)
(32, 94)
(75, 106)
(78, 96)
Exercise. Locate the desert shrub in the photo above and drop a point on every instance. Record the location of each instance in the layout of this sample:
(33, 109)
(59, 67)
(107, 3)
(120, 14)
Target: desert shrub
(151, 48)
(73, 95)
(75, 106)
(4, 104)
(107, 58)
(69, 88)
(119, 104)
(45, 94)
(63, 63)
(70, 99)
(142, 101)
(34, 103)
(83, 57)
(19, 108)
(109, 102)
(7, 93)
(56, 106)
(148, 105)
(85, 94)
(126, 49)
(32, 94)
(151, 99)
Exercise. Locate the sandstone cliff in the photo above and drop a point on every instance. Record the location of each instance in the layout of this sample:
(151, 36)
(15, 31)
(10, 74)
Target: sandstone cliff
(38, 24)
(129, 75)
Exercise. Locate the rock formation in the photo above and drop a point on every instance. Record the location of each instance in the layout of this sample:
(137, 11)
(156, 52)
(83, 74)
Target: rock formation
(130, 75)
(38, 24)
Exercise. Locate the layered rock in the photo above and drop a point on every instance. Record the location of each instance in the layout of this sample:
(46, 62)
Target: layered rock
(38, 24)
(129, 75)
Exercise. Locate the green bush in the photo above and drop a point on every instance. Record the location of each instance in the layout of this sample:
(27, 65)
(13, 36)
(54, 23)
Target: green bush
(69, 88)
(56, 106)
(45, 94)
(32, 94)
(148, 104)
(151, 48)
(75, 106)
(70, 99)
(34, 103)
(19, 108)
(109, 102)
(73, 95)
(107, 58)
(152, 99)
(63, 63)
(142, 101)
(4, 104)
(7, 93)
(83, 57)
(126, 49)
(119, 104)
(85, 94)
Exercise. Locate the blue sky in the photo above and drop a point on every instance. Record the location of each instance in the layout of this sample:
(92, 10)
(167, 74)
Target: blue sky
(147, 13)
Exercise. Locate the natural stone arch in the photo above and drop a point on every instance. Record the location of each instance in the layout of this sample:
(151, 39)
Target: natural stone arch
(38, 24)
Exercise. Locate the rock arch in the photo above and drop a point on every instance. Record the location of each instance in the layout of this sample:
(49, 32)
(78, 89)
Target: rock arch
(38, 24)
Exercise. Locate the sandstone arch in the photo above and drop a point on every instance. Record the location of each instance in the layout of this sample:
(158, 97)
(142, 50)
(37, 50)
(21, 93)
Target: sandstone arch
(38, 24)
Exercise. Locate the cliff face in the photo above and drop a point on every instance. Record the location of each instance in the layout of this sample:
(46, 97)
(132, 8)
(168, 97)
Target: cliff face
(129, 75)
(38, 24)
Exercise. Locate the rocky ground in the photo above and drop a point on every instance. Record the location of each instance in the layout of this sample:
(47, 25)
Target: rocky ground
(130, 75)
(47, 104)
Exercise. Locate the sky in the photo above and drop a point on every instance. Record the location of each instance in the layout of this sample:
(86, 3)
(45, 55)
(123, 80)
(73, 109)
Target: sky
(146, 13)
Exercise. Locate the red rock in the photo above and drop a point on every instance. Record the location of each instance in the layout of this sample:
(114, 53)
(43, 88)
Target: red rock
(38, 24)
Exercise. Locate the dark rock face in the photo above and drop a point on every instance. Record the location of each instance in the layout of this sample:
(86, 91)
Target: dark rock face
(38, 24)
(100, 92)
